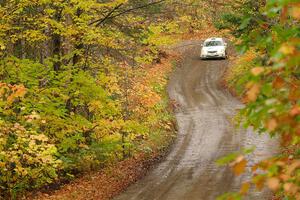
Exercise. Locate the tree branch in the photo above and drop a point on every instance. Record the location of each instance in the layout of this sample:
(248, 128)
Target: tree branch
(100, 21)
(111, 16)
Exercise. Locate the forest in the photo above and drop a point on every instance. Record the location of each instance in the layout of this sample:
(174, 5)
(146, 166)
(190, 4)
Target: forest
(78, 90)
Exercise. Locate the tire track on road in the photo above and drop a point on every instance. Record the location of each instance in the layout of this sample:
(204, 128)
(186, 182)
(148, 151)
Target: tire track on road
(205, 134)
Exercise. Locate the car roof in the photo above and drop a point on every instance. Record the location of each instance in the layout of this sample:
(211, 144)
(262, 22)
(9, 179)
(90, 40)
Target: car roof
(214, 39)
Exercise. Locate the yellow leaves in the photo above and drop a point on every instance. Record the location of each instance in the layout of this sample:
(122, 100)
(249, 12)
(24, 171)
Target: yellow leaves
(157, 37)
(241, 66)
(49, 11)
(257, 70)
(21, 171)
(58, 27)
(239, 165)
(29, 156)
(3, 90)
(114, 3)
(40, 137)
(2, 164)
(33, 116)
(287, 49)
(95, 105)
(83, 146)
(34, 36)
(277, 109)
(2, 46)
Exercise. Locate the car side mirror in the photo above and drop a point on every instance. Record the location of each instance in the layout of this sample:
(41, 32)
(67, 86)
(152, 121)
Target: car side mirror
(202, 45)
(225, 44)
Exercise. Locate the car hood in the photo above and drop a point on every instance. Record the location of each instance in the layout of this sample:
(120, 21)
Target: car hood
(216, 48)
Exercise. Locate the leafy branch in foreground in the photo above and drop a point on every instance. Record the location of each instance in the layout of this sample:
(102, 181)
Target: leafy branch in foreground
(76, 91)
(269, 83)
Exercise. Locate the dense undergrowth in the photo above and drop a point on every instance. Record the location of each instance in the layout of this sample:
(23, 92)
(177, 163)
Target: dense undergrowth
(67, 107)
(266, 76)
(79, 85)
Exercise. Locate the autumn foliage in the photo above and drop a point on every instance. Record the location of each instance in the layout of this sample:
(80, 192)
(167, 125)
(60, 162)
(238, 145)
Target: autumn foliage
(267, 78)
(77, 89)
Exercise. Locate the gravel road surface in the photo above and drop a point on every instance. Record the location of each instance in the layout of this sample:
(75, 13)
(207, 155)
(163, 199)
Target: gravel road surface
(206, 133)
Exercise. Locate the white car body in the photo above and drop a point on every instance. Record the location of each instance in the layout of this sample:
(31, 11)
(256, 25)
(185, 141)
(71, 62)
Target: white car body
(214, 48)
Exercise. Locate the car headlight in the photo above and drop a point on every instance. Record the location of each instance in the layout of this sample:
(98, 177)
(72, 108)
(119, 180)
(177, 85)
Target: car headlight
(203, 51)
(222, 51)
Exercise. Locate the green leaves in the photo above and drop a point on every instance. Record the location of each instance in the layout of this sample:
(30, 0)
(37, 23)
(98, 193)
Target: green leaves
(74, 81)
(245, 23)
(270, 85)
(27, 159)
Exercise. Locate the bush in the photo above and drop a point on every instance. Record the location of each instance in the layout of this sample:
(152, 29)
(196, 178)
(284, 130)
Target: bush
(27, 158)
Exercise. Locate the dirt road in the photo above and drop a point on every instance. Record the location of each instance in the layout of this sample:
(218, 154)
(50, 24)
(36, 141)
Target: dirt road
(205, 134)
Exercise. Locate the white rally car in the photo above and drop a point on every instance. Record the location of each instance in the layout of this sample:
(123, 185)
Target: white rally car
(214, 48)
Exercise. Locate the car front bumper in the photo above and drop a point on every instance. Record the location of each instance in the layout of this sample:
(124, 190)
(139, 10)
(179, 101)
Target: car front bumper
(213, 55)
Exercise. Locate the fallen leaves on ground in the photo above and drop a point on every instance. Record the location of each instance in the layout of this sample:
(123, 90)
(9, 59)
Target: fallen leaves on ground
(104, 184)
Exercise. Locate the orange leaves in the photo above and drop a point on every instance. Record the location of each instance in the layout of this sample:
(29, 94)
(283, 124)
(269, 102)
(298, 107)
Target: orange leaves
(281, 177)
(278, 83)
(273, 183)
(259, 182)
(143, 94)
(294, 93)
(295, 11)
(11, 92)
(253, 91)
(257, 70)
(245, 188)
(284, 14)
(286, 139)
(239, 165)
(271, 124)
(295, 111)
(287, 49)
(247, 58)
(291, 168)
(290, 188)
(147, 87)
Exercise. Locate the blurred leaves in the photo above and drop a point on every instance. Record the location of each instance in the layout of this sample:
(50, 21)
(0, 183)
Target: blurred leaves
(269, 83)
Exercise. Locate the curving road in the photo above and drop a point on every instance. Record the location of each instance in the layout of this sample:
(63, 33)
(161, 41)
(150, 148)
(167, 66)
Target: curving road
(205, 134)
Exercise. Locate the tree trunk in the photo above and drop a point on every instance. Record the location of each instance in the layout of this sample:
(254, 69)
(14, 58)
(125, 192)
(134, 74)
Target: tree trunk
(79, 46)
(56, 39)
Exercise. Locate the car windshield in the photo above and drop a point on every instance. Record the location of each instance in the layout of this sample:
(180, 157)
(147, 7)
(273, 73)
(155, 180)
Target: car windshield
(213, 43)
